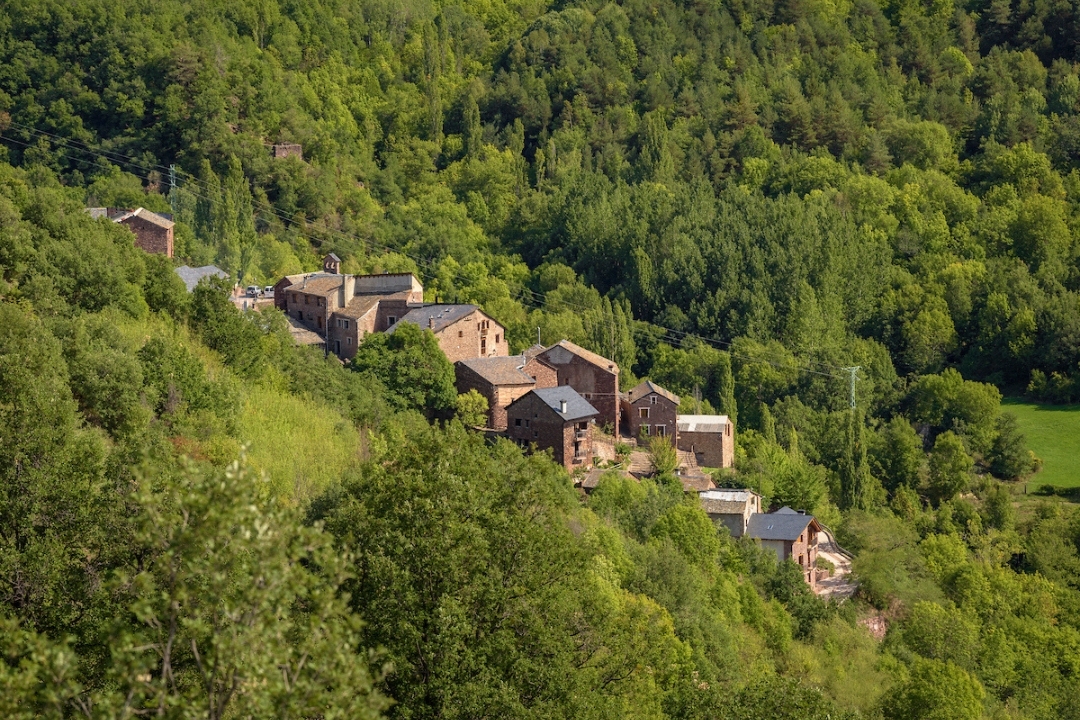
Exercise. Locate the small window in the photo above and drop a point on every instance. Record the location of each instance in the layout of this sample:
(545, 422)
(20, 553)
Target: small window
(536, 434)
(645, 430)
(643, 412)
(461, 333)
(652, 399)
(346, 324)
(348, 341)
(390, 320)
(587, 396)
(517, 422)
(498, 337)
(526, 423)
(661, 430)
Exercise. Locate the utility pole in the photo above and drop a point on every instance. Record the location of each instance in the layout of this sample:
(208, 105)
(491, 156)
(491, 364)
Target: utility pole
(853, 375)
(172, 190)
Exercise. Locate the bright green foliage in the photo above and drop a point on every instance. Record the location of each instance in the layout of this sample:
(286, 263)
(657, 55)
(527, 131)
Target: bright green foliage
(897, 454)
(472, 409)
(936, 691)
(950, 467)
(411, 365)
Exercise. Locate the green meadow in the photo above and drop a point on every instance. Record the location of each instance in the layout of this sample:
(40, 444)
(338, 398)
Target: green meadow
(1053, 433)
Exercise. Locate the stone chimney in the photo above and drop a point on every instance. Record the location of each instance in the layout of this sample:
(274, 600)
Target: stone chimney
(562, 407)
(431, 322)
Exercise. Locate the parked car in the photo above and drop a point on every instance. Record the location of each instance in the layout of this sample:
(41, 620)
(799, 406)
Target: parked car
(253, 290)
(268, 290)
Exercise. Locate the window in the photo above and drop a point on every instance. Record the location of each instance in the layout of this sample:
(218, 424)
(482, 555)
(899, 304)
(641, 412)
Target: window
(346, 324)
(652, 399)
(587, 396)
(517, 422)
(497, 336)
(526, 423)
(390, 320)
(461, 333)
(536, 433)
(348, 341)
(645, 430)
(306, 299)
(643, 412)
(661, 430)
(801, 563)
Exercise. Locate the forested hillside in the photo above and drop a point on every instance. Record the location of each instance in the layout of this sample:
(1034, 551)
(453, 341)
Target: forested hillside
(738, 200)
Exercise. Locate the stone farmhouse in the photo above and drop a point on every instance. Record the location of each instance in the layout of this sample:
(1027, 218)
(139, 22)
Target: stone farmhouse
(556, 418)
(342, 309)
(649, 409)
(153, 231)
(711, 438)
(596, 378)
(502, 380)
(792, 535)
(734, 508)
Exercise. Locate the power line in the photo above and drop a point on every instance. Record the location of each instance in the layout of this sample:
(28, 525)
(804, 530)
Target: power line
(675, 337)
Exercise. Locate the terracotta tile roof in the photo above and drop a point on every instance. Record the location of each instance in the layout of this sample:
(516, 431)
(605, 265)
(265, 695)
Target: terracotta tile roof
(500, 370)
(318, 284)
(588, 355)
(647, 387)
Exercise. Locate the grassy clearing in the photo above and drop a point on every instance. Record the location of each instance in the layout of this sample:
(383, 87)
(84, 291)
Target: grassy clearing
(303, 446)
(1053, 433)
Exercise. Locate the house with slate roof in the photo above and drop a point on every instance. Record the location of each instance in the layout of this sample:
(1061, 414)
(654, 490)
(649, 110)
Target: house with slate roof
(557, 418)
(192, 275)
(463, 331)
(791, 534)
(649, 409)
(710, 437)
(502, 380)
(593, 376)
(153, 231)
(344, 309)
(734, 508)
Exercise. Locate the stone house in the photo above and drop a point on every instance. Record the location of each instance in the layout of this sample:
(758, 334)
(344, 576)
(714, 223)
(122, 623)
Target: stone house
(556, 418)
(343, 309)
(502, 380)
(731, 507)
(463, 331)
(792, 535)
(153, 231)
(710, 437)
(649, 409)
(594, 377)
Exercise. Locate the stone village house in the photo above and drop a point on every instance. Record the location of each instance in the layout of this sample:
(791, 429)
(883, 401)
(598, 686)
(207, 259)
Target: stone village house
(733, 508)
(343, 309)
(792, 535)
(556, 418)
(596, 378)
(502, 380)
(153, 231)
(649, 409)
(711, 438)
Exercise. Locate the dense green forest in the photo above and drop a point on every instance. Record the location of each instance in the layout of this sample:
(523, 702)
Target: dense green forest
(739, 200)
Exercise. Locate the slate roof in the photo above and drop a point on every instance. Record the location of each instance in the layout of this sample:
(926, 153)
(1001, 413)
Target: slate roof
(535, 350)
(334, 257)
(500, 370)
(147, 215)
(592, 478)
(445, 316)
(192, 275)
(726, 502)
(702, 423)
(577, 407)
(647, 387)
(318, 284)
(359, 306)
(784, 524)
(301, 335)
(598, 360)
